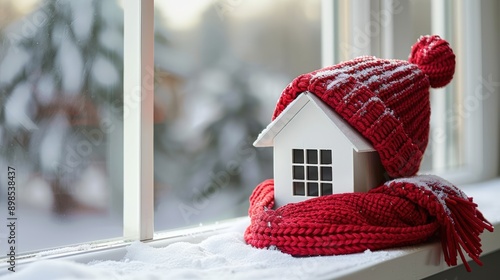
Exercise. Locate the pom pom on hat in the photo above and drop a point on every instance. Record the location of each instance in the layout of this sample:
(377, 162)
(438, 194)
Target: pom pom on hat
(435, 58)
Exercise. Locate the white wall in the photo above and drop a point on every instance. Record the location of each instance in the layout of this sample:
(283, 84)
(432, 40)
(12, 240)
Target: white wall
(310, 129)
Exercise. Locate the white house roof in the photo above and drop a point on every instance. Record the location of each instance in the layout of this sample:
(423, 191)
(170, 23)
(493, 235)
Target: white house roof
(266, 137)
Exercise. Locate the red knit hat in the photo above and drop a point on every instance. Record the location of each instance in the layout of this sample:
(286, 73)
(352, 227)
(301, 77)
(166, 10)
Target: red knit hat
(386, 100)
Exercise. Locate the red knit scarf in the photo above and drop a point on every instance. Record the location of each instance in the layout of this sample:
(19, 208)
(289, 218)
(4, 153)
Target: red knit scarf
(400, 212)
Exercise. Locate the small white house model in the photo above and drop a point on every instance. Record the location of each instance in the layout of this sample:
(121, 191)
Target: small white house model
(316, 153)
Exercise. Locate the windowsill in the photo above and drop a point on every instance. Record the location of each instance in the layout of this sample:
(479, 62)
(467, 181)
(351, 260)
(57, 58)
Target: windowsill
(219, 251)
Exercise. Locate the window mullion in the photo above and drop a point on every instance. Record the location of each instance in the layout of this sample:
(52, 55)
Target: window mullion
(469, 68)
(138, 119)
(329, 28)
(345, 33)
(386, 20)
(438, 96)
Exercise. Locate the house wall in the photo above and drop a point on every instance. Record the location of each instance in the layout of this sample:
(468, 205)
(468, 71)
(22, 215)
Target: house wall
(368, 171)
(310, 128)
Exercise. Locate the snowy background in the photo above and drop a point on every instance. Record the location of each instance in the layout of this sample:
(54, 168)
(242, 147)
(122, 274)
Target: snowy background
(219, 69)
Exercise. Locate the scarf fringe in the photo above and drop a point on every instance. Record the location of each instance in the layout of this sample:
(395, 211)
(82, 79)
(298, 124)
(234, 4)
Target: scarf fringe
(462, 231)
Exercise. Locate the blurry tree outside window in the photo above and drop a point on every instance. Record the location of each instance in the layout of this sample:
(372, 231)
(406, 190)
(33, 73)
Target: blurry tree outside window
(233, 59)
(219, 69)
(61, 83)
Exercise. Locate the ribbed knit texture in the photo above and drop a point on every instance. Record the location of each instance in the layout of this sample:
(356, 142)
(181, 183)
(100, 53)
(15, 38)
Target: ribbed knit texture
(400, 212)
(386, 100)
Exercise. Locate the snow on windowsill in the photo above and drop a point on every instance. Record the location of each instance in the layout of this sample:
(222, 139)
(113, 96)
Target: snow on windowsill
(226, 256)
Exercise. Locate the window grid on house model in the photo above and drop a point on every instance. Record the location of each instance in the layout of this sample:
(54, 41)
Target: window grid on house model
(312, 173)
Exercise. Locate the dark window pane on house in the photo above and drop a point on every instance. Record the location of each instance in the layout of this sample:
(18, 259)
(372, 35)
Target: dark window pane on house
(312, 189)
(299, 188)
(326, 173)
(298, 156)
(312, 173)
(298, 172)
(312, 156)
(326, 156)
(326, 188)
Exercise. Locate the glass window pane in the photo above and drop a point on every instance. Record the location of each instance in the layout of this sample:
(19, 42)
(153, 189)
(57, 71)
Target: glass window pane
(326, 188)
(220, 68)
(61, 65)
(312, 156)
(326, 173)
(312, 173)
(298, 172)
(312, 189)
(326, 157)
(299, 188)
(298, 156)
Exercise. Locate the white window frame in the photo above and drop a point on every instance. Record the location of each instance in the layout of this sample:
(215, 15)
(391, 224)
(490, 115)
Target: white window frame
(480, 142)
(138, 157)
